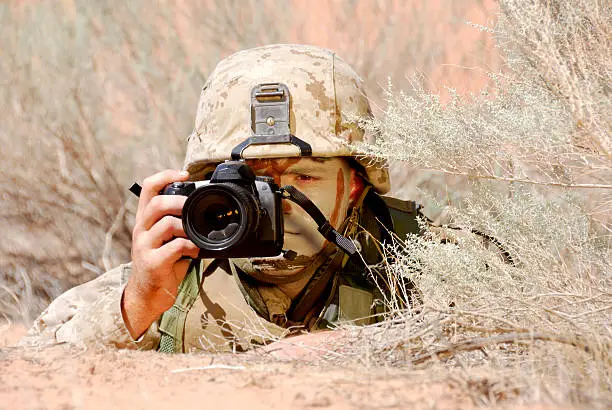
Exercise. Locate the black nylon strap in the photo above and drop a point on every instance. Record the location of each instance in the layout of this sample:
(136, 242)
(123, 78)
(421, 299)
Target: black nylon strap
(293, 194)
(305, 148)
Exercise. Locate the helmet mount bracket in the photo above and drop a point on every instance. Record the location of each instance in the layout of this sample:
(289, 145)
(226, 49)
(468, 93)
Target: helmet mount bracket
(270, 120)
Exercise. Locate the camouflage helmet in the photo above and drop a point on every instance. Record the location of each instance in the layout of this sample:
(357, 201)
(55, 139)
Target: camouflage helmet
(326, 95)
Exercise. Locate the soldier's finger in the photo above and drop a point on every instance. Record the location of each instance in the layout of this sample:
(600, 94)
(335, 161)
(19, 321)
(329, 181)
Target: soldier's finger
(155, 183)
(160, 206)
(176, 249)
(179, 269)
(166, 229)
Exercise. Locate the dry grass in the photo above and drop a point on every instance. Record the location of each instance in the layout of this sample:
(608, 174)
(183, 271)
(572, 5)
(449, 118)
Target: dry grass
(533, 155)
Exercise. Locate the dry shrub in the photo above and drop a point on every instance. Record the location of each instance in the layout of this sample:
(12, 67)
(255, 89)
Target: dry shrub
(568, 45)
(533, 155)
(69, 157)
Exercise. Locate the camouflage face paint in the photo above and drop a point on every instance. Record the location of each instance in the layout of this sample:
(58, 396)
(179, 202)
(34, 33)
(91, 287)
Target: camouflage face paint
(271, 167)
(339, 193)
(317, 178)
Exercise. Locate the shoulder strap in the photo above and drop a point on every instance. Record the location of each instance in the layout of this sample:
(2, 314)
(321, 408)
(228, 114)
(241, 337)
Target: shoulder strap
(360, 286)
(172, 323)
(404, 215)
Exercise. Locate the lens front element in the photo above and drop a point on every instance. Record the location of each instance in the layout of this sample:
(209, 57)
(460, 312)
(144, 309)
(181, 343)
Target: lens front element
(220, 216)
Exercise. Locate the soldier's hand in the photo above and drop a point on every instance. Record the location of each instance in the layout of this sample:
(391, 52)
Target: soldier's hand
(158, 243)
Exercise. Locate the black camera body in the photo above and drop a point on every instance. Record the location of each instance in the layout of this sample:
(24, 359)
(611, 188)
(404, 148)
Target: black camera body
(233, 215)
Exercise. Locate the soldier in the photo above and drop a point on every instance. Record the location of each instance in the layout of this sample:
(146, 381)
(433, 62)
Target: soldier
(164, 300)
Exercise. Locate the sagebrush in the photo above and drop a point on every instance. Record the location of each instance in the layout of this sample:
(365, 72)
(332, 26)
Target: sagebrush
(532, 155)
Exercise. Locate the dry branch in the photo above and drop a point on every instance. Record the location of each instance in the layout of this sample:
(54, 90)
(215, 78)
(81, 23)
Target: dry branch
(510, 338)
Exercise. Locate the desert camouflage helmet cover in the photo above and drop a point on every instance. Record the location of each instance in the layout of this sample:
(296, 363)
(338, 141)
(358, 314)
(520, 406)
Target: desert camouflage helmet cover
(326, 94)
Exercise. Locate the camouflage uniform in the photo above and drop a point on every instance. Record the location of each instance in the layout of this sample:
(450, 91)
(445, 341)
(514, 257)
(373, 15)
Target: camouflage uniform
(326, 98)
(219, 320)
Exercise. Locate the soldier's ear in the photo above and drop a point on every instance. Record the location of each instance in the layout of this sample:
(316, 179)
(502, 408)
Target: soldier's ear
(357, 185)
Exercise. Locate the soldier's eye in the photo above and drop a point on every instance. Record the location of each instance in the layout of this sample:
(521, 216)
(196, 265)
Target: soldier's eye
(305, 178)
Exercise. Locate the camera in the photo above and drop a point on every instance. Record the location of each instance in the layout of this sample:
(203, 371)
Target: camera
(235, 214)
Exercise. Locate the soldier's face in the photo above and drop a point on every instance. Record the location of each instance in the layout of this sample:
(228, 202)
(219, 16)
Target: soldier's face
(328, 182)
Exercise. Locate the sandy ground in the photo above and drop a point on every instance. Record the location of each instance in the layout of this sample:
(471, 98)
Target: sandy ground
(63, 377)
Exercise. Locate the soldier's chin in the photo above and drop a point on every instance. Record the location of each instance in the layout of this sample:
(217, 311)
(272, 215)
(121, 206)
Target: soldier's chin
(304, 245)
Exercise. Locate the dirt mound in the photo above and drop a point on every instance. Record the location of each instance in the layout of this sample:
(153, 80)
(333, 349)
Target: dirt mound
(66, 377)
(10, 334)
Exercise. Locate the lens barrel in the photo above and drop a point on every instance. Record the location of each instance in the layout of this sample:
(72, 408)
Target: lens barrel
(220, 216)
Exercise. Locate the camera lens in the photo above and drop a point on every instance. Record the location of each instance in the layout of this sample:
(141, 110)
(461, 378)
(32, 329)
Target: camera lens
(217, 217)
(220, 216)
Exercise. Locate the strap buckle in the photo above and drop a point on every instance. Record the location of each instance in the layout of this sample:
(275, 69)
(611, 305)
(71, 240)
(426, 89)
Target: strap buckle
(270, 109)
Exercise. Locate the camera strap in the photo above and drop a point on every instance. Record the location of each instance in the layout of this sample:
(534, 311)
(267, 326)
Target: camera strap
(323, 226)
